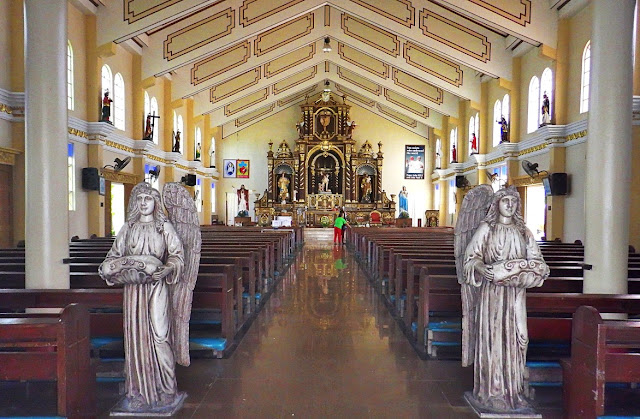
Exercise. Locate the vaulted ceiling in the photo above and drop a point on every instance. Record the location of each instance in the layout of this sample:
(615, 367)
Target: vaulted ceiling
(409, 61)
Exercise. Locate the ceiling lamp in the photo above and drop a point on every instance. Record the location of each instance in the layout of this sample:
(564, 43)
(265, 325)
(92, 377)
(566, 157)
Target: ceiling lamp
(327, 45)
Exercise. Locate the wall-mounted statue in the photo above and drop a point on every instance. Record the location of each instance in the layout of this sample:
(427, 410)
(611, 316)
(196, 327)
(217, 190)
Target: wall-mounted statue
(365, 189)
(176, 143)
(106, 108)
(497, 259)
(156, 259)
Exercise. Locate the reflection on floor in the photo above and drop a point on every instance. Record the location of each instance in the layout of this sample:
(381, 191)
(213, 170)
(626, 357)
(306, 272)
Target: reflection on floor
(324, 346)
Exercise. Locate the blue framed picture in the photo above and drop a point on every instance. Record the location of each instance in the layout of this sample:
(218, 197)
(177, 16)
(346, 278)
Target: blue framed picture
(229, 168)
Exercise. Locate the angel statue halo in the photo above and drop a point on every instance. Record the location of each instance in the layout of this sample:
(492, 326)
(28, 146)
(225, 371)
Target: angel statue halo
(497, 259)
(155, 258)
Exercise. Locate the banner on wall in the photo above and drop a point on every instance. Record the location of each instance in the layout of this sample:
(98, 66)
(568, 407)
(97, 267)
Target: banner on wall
(414, 161)
(229, 168)
(242, 168)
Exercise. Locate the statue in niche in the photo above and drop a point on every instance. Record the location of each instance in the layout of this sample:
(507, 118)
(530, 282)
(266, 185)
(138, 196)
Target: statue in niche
(474, 143)
(156, 259)
(300, 129)
(351, 126)
(504, 130)
(454, 154)
(324, 184)
(283, 187)
(546, 116)
(106, 108)
(176, 142)
(497, 259)
(212, 152)
(365, 185)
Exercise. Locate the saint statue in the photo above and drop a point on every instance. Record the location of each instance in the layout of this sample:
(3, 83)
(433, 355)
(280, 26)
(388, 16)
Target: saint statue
(106, 107)
(212, 152)
(198, 151)
(504, 130)
(351, 126)
(497, 259)
(438, 162)
(148, 130)
(156, 259)
(474, 143)
(283, 187)
(454, 154)
(403, 197)
(243, 199)
(324, 183)
(365, 185)
(546, 117)
(176, 143)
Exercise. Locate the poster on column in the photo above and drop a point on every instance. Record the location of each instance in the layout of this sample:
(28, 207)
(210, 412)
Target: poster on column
(414, 161)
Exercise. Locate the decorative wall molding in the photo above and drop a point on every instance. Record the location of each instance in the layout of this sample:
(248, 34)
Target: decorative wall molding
(8, 155)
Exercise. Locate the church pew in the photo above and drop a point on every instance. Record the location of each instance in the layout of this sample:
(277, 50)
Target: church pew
(52, 347)
(216, 296)
(601, 352)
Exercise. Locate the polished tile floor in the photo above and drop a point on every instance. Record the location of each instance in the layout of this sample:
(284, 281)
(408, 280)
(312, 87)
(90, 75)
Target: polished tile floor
(324, 346)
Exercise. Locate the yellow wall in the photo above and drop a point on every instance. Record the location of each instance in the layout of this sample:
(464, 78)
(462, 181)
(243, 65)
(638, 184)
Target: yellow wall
(5, 44)
(76, 20)
(580, 34)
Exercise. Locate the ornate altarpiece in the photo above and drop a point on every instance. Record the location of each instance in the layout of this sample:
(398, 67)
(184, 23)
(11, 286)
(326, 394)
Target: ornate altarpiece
(324, 172)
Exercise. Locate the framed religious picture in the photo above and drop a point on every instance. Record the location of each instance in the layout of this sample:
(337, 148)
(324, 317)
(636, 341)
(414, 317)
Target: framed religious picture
(414, 161)
(229, 167)
(242, 168)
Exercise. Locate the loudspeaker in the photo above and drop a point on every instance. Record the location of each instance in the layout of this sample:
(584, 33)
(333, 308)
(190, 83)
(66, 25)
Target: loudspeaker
(461, 181)
(189, 180)
(90, 178)
(559, 183)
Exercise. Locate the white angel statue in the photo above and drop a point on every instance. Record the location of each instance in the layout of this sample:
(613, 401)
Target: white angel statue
(497, 258)
(156, 258)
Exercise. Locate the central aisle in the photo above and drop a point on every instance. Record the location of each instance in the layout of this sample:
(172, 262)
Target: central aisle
(324, 346)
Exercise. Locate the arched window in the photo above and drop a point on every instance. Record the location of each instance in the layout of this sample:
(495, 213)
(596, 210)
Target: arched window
(107, 81)
(175, 123)
(477, 131)
(452, 197)
(180, 126)
(198, 144)
(453, 145)
(147, 105)
(70, 101)
(546, 88)
(213, 198)
(71, 174)
(534, 102)
(505, 107)
(586, 71)
(198, 195)
(118, 102)
(497, 114)
(436, 196)
(154, 111)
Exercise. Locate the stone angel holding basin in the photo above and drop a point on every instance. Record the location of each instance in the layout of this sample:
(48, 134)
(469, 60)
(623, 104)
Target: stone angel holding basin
(155, 258)
(497, 259)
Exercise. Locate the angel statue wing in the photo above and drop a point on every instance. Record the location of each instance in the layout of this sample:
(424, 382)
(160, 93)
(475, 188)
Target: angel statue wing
(184, 217)
(474, 208)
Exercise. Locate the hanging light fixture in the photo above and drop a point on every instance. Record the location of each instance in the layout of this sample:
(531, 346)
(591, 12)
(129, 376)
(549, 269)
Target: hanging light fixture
(326, 86)
(327, 45)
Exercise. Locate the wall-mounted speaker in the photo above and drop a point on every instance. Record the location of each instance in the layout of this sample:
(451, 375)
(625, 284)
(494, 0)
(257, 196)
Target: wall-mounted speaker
(90, 179)
(461, 181)
(189, 180)
(559, 183)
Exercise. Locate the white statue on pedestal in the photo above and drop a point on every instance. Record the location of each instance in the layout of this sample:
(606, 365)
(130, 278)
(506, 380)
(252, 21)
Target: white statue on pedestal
(497, 259)
(156, 259)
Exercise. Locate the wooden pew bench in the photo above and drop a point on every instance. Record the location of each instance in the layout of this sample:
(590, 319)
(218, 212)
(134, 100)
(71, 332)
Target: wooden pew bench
(601, 352)
(51, 347)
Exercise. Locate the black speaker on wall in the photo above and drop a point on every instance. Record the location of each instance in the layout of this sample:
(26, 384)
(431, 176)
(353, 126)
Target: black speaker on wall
(189, 180)
(559, 183)
(461, 181)
(90, 179)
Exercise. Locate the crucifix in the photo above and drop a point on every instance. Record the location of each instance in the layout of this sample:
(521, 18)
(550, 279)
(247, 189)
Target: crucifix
(149, 126)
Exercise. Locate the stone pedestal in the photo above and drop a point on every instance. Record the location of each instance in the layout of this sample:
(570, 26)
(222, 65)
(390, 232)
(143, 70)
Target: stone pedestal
(483, 412)
(123, 408)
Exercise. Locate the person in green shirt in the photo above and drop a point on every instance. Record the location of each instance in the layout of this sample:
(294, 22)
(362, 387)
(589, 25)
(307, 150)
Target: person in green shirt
(337, 228)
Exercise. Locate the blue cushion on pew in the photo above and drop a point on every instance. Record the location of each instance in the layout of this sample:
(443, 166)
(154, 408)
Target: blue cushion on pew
(218, 344)
(204, 321)
(99, 342)
(246, 295)
(110, 379)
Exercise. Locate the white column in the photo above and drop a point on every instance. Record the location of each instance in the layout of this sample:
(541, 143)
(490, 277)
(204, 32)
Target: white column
(47, 229)
(609, 147)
